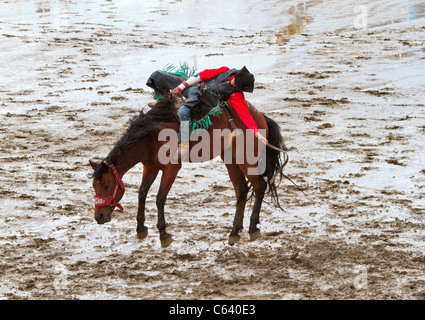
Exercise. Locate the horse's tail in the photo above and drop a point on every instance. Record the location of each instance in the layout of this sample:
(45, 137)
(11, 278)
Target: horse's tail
(273, 172)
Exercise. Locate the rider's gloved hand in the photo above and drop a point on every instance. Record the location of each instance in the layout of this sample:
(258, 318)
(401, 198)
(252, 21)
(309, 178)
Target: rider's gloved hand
(261, 138)
(177, 91)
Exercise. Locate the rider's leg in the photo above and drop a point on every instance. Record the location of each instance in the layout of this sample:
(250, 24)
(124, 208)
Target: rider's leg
(184, 132)
(184, 116)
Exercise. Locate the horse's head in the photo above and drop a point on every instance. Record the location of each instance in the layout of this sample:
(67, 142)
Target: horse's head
(109, 190)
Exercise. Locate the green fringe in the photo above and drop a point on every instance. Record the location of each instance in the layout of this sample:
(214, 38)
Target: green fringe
(205, 122)
(156, 95)
(183, 70)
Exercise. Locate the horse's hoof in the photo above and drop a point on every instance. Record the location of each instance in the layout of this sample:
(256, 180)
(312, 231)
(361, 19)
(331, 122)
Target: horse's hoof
(143, 234)
(234, 239)
(167, 241)
(255, 235)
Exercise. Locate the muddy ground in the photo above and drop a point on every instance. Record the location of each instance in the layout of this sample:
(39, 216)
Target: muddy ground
(351, 108)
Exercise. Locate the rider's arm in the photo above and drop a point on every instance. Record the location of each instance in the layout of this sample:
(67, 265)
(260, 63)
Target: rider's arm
(201, 76)
(189, 82)
(238, 102)
(208, 74)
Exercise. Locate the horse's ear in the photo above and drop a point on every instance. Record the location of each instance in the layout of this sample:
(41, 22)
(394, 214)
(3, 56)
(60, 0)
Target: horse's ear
(93, 164)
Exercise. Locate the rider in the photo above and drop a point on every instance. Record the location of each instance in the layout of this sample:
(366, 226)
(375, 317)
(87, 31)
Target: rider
(228, 84)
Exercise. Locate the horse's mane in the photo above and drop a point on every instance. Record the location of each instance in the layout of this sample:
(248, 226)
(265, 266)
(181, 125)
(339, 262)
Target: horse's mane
(142, 125)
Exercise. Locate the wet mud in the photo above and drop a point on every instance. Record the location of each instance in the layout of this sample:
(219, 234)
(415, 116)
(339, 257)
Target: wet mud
(350, 106)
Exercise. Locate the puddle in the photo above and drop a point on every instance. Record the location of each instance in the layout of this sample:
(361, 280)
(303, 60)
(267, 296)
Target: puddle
(152, 34)
(299, 22)
(407, 54)
(406, 11)
(145, 36)
(415, 12)
(411, 12)
(255, 62)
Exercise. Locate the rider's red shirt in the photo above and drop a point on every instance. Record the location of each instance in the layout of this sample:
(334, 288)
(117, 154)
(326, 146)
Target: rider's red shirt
(237, 99)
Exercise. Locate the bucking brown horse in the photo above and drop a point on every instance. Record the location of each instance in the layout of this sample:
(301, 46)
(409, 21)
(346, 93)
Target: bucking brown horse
(144, 142)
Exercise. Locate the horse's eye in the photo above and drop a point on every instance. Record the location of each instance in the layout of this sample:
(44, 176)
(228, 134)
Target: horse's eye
(106, 187)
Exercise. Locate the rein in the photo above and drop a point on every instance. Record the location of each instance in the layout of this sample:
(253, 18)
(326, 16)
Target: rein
(110, 201)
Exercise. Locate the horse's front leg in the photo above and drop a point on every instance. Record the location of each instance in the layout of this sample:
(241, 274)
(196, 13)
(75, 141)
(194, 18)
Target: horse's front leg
(149, 176)
(168, 176)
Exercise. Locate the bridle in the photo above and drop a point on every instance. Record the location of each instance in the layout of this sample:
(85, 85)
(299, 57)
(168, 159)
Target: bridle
(110, 201)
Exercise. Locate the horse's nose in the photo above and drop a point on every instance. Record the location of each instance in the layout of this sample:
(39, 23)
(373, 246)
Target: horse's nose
(101, 218)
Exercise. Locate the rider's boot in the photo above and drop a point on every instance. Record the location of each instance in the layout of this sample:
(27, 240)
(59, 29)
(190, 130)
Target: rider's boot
(152, 104)
(182, 152)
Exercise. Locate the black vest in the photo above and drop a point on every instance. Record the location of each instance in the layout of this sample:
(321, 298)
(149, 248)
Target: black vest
(220, 84)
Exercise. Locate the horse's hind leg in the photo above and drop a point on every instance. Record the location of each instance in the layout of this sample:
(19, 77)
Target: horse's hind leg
(149, 176)
(259, 186)
(241, 189)
(168, 176)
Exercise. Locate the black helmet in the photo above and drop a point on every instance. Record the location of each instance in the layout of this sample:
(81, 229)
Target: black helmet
(244, 80)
